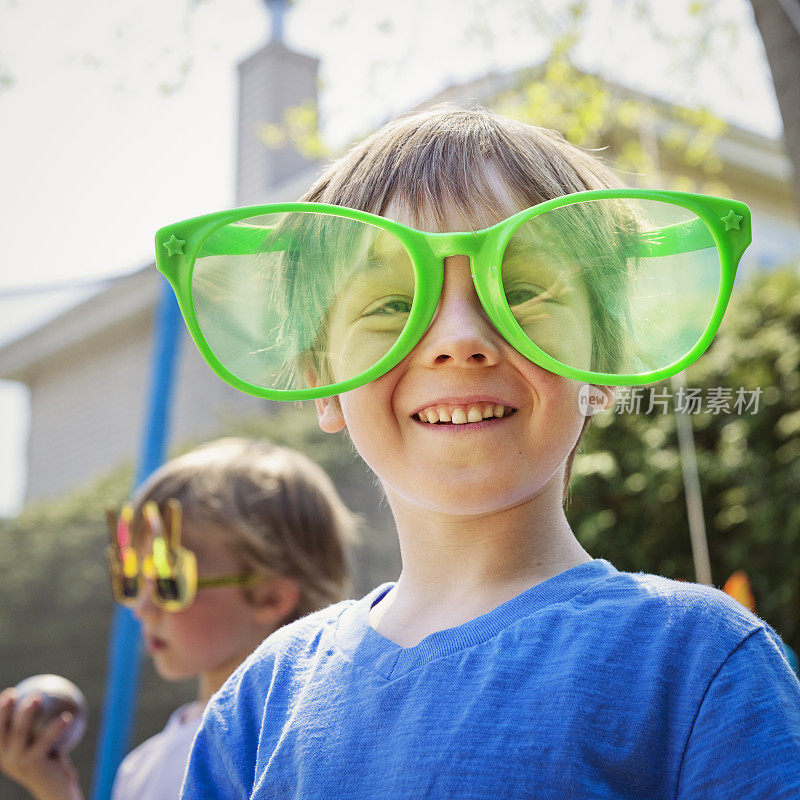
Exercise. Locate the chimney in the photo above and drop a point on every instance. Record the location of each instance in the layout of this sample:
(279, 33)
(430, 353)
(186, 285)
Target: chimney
(271, 81)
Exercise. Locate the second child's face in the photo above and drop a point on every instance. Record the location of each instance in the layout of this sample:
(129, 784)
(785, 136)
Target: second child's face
(530, 419)
(214, 634)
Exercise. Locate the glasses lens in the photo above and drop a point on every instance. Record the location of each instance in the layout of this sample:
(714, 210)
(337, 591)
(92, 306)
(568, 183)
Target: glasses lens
(124, 588)
(621, 286)
(296, 299)
(168, 589)
(174, 588)
(129, 587)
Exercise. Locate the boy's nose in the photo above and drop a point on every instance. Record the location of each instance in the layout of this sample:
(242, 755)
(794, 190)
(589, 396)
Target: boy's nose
(145, 607)
(461, 334)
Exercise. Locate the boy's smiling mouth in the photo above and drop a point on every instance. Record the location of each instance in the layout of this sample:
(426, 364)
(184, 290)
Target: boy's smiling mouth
(462, 413)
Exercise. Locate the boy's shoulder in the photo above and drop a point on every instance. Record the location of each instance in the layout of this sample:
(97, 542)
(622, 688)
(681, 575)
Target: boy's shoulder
(681, 608)
(304, 634)
(644, 587)
(297, 641)
(290, 649)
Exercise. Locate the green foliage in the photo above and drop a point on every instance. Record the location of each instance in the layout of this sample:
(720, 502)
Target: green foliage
(593, 113)
(54, 589)
(299, 128)
(627, 502)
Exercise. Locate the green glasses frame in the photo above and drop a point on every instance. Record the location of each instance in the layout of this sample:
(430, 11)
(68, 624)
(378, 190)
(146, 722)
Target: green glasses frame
(721, 223)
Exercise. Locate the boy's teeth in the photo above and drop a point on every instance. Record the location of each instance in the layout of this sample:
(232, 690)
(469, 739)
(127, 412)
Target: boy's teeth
(462, 414)
(459, 416)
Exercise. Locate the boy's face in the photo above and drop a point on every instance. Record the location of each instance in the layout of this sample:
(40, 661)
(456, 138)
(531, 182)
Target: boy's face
(214, 634)
(462, 367)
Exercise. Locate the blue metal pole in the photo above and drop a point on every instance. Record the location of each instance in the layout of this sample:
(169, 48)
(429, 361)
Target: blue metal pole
(122, 682)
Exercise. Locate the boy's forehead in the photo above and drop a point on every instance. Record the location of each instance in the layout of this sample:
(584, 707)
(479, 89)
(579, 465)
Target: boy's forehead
(493, 202)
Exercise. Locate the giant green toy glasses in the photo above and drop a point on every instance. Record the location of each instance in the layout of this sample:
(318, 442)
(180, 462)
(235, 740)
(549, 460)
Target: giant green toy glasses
(302, 300)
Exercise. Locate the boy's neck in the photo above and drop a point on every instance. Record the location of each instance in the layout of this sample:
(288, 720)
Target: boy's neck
(457, 568)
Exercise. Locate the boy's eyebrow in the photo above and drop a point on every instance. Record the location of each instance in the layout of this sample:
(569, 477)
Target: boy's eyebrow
(387, 243)
(524, 246)
(379, 270)
(544, 257)
(372, 260)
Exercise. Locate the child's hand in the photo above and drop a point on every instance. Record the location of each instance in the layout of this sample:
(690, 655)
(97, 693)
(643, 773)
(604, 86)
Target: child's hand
(29, 761)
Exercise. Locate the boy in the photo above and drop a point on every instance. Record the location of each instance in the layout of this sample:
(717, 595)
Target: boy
(261, 542)
(505, 662)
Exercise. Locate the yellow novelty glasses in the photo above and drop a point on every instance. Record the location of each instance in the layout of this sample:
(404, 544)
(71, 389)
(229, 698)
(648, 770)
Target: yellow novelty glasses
(170, 567)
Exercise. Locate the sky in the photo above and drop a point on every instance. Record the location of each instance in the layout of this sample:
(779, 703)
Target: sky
(120, 116)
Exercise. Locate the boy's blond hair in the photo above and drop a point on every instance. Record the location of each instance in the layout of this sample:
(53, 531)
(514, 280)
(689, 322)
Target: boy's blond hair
(274, 509)
(484, 165)
(431, 162)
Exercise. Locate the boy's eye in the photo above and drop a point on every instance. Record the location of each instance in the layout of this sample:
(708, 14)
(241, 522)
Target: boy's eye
(388, 306)
(518, 295)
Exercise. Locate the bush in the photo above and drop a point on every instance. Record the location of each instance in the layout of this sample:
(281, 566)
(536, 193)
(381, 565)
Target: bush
(628, 502)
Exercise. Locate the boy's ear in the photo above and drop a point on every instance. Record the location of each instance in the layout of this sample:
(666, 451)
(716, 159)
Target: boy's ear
(329, 411)
(274, 600)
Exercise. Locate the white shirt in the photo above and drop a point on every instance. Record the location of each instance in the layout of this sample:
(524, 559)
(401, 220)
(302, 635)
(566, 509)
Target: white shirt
(154, 770)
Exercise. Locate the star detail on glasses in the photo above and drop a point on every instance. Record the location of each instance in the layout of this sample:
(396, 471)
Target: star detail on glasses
(175, 245)
(732, 220)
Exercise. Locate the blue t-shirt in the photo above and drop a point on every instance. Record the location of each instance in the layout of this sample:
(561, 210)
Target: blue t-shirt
(593, 684)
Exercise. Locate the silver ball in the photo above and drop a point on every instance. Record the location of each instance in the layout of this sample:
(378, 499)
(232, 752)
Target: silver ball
(58, 695)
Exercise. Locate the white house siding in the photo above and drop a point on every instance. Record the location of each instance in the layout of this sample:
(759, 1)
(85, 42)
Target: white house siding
(88, 406)
(202, 401)
(86, 409)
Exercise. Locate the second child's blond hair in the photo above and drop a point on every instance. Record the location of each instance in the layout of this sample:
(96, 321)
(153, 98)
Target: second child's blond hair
(275, 510)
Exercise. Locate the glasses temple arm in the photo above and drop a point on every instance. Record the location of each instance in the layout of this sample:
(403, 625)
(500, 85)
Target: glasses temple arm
(111, 521)
(245, 240)
(174, 523)
(684, 237)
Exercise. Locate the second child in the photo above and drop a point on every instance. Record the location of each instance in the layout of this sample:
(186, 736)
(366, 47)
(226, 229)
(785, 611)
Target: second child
(256, 536)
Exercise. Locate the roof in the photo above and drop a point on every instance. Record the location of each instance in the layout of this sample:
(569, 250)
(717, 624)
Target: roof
(127, 297)
(762, 156)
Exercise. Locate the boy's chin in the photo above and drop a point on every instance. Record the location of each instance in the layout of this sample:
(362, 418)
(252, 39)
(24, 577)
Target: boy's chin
(170, 672)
